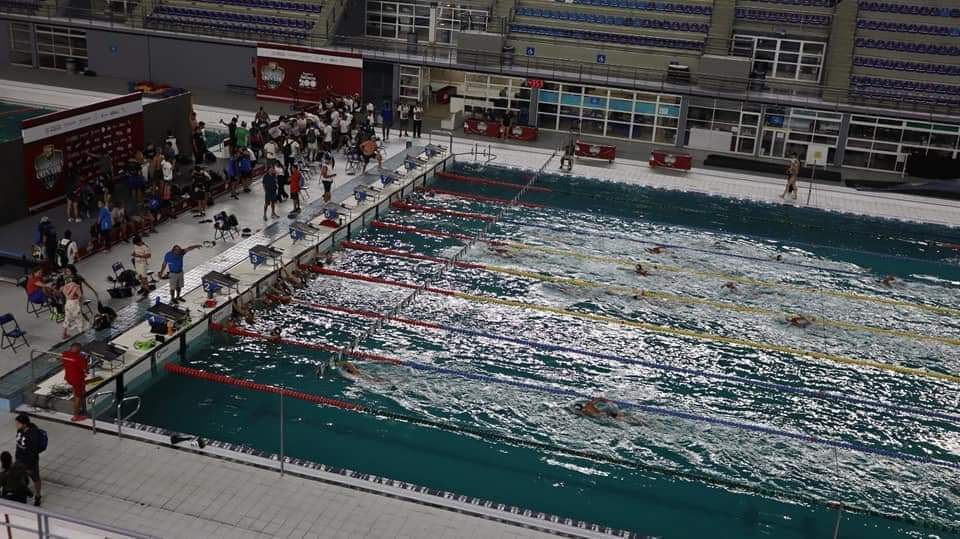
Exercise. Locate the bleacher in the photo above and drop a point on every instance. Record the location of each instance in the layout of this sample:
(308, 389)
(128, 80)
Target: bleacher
(20, 6)
(783, 17)
(272, 20)
(626, 23)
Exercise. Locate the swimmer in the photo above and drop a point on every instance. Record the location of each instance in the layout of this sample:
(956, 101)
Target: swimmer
(657, 250)
(502, 252)
(888, 281)
(640, 271)
(605, 410)
(275, 334)
(290, 278)
(641, 295)
(349, 368)
(729, 286)
(240, 312)
(800, 321)
(778, 258)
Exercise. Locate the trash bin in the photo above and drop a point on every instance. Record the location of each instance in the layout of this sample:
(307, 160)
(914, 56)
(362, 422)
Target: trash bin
(71, 64)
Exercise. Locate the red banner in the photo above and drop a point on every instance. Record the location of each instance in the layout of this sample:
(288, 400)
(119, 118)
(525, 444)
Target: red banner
(492, 129)
(71, 141)
(598, 151)
(306, 75)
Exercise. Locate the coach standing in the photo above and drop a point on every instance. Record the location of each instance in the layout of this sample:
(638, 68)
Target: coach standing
(173, 261)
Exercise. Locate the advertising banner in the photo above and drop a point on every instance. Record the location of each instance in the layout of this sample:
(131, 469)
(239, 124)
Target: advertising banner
(71, 142)
(305, 75)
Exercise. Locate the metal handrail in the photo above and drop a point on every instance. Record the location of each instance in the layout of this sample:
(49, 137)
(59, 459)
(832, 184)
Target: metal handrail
(443, 132)
(45, 516)
(92, 407)
(120, 404)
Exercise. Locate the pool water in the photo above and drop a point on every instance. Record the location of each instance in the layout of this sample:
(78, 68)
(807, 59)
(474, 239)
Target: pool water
(11, 114)
(573, 266)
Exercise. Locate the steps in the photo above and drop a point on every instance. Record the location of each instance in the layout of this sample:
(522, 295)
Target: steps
(721, 28)
(838, 64)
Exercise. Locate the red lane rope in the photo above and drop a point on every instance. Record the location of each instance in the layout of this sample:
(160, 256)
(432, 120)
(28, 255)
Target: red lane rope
(357, 246)
(429, 232)
(381, 280)
(263, 388)
(484, 181)
(401, 205)
(480, 198)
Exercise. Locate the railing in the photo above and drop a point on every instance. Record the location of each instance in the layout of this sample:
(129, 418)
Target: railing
(443, 132)
(92, 401)
(120, 417)
(22, 520)
(650, 79)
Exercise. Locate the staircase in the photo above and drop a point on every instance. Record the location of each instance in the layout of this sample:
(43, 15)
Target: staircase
(721, 28)
(502, 11)
(838, 63)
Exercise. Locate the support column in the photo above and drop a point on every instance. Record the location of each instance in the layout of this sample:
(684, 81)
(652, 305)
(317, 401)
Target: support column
(534, 105)
(682, 122)
(842, 140)
(432, 35)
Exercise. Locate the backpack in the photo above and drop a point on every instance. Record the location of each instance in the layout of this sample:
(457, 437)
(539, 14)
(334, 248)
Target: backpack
(42, 440)
(62, 249)
(311, 135)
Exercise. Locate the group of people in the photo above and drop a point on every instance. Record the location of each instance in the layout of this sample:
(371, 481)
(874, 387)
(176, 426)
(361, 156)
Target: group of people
(20, 471)
(62, 292)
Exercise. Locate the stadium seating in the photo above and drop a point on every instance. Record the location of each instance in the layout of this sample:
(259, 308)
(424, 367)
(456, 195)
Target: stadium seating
(907, 9)
(908, 28)
(900, 86)
(783, 17)
(268, 4)
(686, 9)
(233, 17)
(20, 5)
(591, 18)
(218, 25)
(900, 65)
(619, 39)
(903, 46)
(806, 3)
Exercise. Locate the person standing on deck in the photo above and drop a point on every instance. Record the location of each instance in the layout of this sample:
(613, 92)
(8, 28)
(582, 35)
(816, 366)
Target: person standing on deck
(173, 261)
(793, 170)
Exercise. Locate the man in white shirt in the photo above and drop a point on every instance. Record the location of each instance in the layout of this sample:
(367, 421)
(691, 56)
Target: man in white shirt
(344, 131)
(270, 150)
(172, 141)
(167, 168)
(141, 263)
(67, 250)
(312, 137)
(327, 137)
(417, 112)
(404, 112)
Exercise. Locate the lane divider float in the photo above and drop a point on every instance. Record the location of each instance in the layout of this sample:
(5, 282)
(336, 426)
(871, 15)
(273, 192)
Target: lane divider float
(484, 181)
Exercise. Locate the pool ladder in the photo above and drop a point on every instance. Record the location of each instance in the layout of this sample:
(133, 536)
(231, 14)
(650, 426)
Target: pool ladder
(92, 406)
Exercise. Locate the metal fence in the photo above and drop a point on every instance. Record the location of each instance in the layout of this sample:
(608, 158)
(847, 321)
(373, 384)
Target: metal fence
(22, 521)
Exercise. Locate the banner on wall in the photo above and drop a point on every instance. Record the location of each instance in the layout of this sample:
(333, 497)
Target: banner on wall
(306, 75)
(71, 142)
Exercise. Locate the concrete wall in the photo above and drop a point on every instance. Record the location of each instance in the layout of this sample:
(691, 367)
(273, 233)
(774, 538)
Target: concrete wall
(178, 62)
(13, 204)
(4, 42)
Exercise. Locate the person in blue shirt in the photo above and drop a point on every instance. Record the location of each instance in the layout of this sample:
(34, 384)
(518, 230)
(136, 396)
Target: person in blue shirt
(387, 114)
(245, 169)
(173, 266)
(105, 223)
(233, 173)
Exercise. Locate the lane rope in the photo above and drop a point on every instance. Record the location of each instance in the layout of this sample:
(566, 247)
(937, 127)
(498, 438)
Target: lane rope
(565, 392)
(629, 263)
(649, 294)
(477, 198)
(409, 206)
(654, 328)
(869, 404)
(485, 181)
(532, 444)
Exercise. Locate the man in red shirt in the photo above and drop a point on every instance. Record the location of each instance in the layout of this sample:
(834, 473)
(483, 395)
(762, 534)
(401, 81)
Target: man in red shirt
(75, 371)
(295, 179)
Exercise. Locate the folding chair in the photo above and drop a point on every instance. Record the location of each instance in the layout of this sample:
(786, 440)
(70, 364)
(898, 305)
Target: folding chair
(9, 337)
(35, 309)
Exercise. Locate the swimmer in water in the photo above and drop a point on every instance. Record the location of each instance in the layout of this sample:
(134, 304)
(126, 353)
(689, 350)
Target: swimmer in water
(275, 334)
(729, 286)
(778, 258)
(657, 250)
(605, 410)
(800, 321)
(640, 271)
(502, 252)
(888, 281)
(350, 368)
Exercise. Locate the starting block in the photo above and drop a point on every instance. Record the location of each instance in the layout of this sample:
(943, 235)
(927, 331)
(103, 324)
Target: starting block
(300, 231)
(215, 281)
(261, 254)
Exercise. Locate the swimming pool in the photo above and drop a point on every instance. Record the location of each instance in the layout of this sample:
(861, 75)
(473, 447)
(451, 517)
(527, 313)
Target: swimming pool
(550, 312)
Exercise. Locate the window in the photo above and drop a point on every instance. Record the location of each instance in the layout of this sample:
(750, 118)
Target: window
(499, 94)
(880, 143)
(792, 130)
(57, 44)
(787, 59)
(396, 20)
(21, 44)
(608, 112)
(740, 122)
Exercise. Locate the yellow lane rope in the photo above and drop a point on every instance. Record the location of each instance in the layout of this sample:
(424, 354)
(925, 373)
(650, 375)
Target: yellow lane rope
(625, 262)
(668, 297)
(835, 358)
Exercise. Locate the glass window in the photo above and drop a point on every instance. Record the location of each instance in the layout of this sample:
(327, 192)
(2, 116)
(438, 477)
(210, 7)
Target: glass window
(789, 59)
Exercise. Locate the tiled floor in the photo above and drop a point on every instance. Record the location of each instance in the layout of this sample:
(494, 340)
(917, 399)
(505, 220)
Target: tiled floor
(169, 493)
